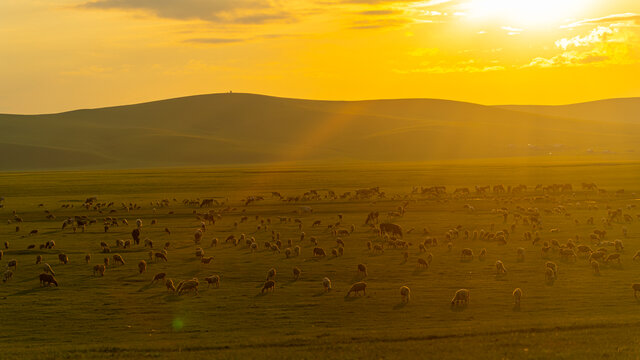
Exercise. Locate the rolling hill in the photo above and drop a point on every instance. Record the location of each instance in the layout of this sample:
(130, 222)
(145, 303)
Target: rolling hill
(221, 129)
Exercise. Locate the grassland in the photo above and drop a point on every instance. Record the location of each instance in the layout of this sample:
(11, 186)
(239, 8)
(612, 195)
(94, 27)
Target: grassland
(122, 315)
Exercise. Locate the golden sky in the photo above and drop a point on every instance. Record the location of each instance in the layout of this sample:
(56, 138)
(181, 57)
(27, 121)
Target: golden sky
(59, 55)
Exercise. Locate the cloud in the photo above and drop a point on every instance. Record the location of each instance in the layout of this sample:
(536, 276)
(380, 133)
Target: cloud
(214, 40)
(631, 18)
(219, 11)
(599, 34)
(391, 22)
(468, 66)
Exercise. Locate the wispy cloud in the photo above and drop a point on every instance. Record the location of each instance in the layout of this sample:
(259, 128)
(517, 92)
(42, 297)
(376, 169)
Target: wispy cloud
(219, 11)
(631, 18)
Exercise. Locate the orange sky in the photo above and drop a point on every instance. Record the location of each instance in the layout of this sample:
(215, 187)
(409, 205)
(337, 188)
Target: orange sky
(60, 55)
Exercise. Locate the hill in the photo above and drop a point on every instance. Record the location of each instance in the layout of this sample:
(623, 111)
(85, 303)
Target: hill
(246, 128)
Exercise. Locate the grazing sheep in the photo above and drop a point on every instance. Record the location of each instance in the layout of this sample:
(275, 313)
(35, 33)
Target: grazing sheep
(377, 248)
(206, 260)
(106, 261)
(517, 294)
(405, 294)
(466, 254)
(636, 257)
(568, 255)
(197, 236)
(271, 274)
(287, 252)
(612, 257)
(213, 280)
(297, 250)
(269, 285)
(619, 245)
(500, 269)
(87, 258)
(422, 263)
(357, 287)
(549, 274)
(461, 297)
(13, 263)
(169, 284)
(63, 258)
(214, 242)
(596, 267)
(118, 259)
(148, 242)
(296, 273)
(159, 276)
(142, 266)
(47, 279)
(7, 276)
(161, 256)
(553, 266)
(362, 268)
(188, 285)
(199, 252)
(100, 268)
(483, 254)
(334, 252)
(391, 229)
(47, 268)
(38, 259)
(326, 283)
(520, 255)
(317, 251)
(636, 289)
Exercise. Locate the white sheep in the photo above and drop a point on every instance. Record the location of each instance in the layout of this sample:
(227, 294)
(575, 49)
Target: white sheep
(326, 283)
(461, 297)
(500, 269)
(405, 294)
(517, 294)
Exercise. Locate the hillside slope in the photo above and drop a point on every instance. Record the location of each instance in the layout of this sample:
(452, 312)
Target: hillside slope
(246, 128)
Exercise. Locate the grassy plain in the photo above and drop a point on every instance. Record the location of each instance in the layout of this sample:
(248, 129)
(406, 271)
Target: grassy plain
(121, 315)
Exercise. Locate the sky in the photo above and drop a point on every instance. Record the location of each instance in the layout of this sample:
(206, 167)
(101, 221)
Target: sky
(58, 55)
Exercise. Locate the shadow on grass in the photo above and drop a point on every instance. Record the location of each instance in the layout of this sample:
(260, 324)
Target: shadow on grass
(400, 305)
(321, 293)
(458, 308)
(418, 271)
(516, 307)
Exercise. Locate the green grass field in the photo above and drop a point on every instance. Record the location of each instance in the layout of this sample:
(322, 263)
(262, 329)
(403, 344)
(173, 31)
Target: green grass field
(122, 315)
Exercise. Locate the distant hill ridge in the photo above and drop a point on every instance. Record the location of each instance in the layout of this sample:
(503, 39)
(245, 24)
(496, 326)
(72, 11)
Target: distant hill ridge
(241, 128)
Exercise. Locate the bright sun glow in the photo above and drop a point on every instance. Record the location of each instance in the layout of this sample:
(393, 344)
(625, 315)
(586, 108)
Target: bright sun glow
(525, 12)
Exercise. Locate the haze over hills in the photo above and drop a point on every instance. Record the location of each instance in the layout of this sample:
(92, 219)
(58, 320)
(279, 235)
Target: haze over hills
(246, 128)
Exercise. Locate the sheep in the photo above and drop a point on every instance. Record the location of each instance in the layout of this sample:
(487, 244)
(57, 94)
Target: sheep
(169, 284)
(596, 267)
(148, 242)
(405, 294)
(612, 257)
(287, 252)
(296, 273)
(297, 250)
(106, 261)
(422, 263)
(568, 255)
(7, 276)
(47, 279)
(87, 258)
(636, 289)
(271, 274)
(317, 251)
(12, 263)
(377, 248)
(214, 242)
(206, 260)
(161, 256)
(100, 268)
(339, 242)
(429, 258)
(213, 280)
(357, 287)
(619, 245)
(118, 259)
(636, 257)
(550, 275)
(159, 276)
(269, 285)
(197, 236)
(362, 268)
(142, 266)
(520, 254)
(47, 268)
(326, 283)
(38, 259)
(466, 254)
(188, 285)
(461, 297)
(500, 269)
(483, 254)
(6, 245)
(553, 266)
(334, 252)
(517, 294)
(199, 252)
(63, 258)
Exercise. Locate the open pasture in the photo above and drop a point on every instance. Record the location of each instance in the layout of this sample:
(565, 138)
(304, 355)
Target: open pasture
(124, 315)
